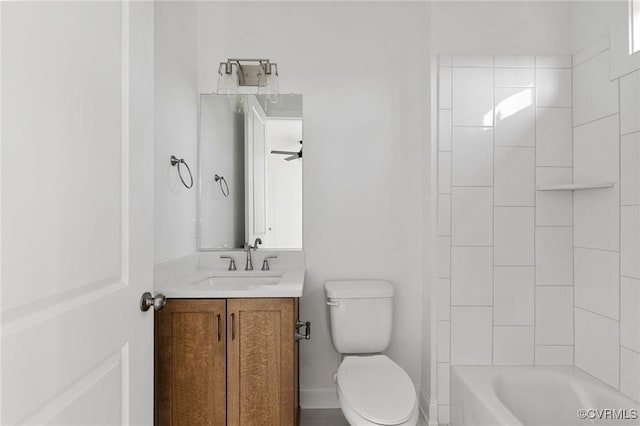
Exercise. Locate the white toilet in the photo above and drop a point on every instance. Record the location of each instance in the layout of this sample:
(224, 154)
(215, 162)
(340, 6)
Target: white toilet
(372, 389)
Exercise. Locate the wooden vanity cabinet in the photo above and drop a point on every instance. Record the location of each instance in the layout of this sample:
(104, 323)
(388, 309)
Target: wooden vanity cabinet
(226, 362)
(190, 363)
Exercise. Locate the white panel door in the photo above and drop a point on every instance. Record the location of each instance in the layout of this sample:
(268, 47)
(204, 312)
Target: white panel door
(76, 127)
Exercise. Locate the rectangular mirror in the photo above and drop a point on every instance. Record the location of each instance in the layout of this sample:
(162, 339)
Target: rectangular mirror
(250, 172)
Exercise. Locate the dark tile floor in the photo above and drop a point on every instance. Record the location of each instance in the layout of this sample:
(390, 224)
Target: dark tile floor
(327, 417)
(330, 417)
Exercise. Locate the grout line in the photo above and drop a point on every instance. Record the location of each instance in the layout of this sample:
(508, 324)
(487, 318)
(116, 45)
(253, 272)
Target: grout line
(629, 349)
(462, 245)
(596, 249)
(467, 186)
(554, 107)
(573, 222)
(493, 213)
(633, 132)
(596, 120)
(450, 238)
(595, 313)
(619, 236)
(535, 222)
(629, 278)
(515, 266)
(553, 345)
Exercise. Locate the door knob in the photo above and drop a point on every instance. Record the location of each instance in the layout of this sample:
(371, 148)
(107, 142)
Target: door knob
(147, 301)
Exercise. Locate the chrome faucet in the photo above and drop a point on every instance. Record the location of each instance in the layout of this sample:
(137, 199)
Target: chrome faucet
(249, 265)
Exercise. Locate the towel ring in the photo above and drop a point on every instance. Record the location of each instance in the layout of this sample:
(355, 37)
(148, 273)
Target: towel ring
(221, 180)
(176, 162)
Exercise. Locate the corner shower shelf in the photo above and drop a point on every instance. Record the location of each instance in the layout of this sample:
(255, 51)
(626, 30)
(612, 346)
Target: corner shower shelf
(576, 186)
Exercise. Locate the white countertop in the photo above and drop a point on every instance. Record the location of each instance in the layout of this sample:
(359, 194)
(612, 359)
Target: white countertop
(179, 278)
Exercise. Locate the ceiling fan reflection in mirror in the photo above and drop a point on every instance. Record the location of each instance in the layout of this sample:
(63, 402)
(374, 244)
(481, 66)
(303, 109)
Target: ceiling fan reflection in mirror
(292, 155)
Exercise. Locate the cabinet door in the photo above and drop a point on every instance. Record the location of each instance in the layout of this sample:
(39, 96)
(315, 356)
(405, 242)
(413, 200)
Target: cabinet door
(261, 361)
(190, 364)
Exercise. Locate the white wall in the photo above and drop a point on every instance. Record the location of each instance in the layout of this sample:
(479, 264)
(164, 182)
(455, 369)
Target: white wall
(176, 127)
(365, 136)
(501, 27)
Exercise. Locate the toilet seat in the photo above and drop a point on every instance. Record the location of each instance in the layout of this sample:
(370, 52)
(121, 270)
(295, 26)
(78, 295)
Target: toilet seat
(377, 389)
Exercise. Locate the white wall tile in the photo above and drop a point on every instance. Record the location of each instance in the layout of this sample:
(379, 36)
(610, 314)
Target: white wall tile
(554, 315)
(553, 61)
(554, 355)
(596, 151)
(444, 414)
(444, 130)
(597, 346)
(472, 156)
(554, 137)
(471, 336)
(630, 103)
(471, 276)
(472, 217)
(596, 218)
(514, 295)
(630, 241)
(553, 87)
(594, 94)
(514, 176)
(630, 373)
(515, 61)
(515, 77)
(630, 313)
(597, 281)
(444, 214)
(444, 383)
(444, 173)
(513, 346)
(444, 299)
(444, 88)
(630, 169)
(554, 256)
(444, 257)
(514, 235)
(472, 97)
(554, 208)
(444, 340)
(515, 117)
(472, 61)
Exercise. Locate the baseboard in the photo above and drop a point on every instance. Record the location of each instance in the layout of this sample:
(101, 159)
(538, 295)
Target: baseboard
(428, 408)
(318, 397)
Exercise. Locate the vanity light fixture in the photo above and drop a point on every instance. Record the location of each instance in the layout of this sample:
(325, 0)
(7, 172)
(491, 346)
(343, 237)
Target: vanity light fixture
(259, 73)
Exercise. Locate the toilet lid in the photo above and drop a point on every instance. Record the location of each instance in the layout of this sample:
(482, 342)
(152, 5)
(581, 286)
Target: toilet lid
(377, 388)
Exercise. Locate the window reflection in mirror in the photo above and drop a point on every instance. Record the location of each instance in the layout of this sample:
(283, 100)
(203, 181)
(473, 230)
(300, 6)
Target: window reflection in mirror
(250, 172)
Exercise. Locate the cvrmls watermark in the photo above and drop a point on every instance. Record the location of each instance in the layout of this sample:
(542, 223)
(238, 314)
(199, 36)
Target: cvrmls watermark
(608, 414)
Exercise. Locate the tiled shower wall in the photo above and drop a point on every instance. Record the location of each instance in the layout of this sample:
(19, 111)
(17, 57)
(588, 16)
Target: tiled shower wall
(505, 250)
(606, 120)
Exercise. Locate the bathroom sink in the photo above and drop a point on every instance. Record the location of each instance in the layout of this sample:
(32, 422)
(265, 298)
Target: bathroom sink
(237, 282)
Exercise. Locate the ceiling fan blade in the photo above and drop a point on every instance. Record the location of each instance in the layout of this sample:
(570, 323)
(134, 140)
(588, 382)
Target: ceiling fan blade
(284, 152)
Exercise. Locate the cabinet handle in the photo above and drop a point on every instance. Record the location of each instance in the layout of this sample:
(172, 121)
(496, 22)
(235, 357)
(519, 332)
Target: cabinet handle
(218, 326)
(233, 326)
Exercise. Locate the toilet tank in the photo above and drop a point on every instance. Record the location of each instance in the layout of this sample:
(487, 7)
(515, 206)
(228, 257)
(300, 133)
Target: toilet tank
(360, 314)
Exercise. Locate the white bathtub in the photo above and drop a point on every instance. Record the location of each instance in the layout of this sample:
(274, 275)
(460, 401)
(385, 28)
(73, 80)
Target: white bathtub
(543, 396)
